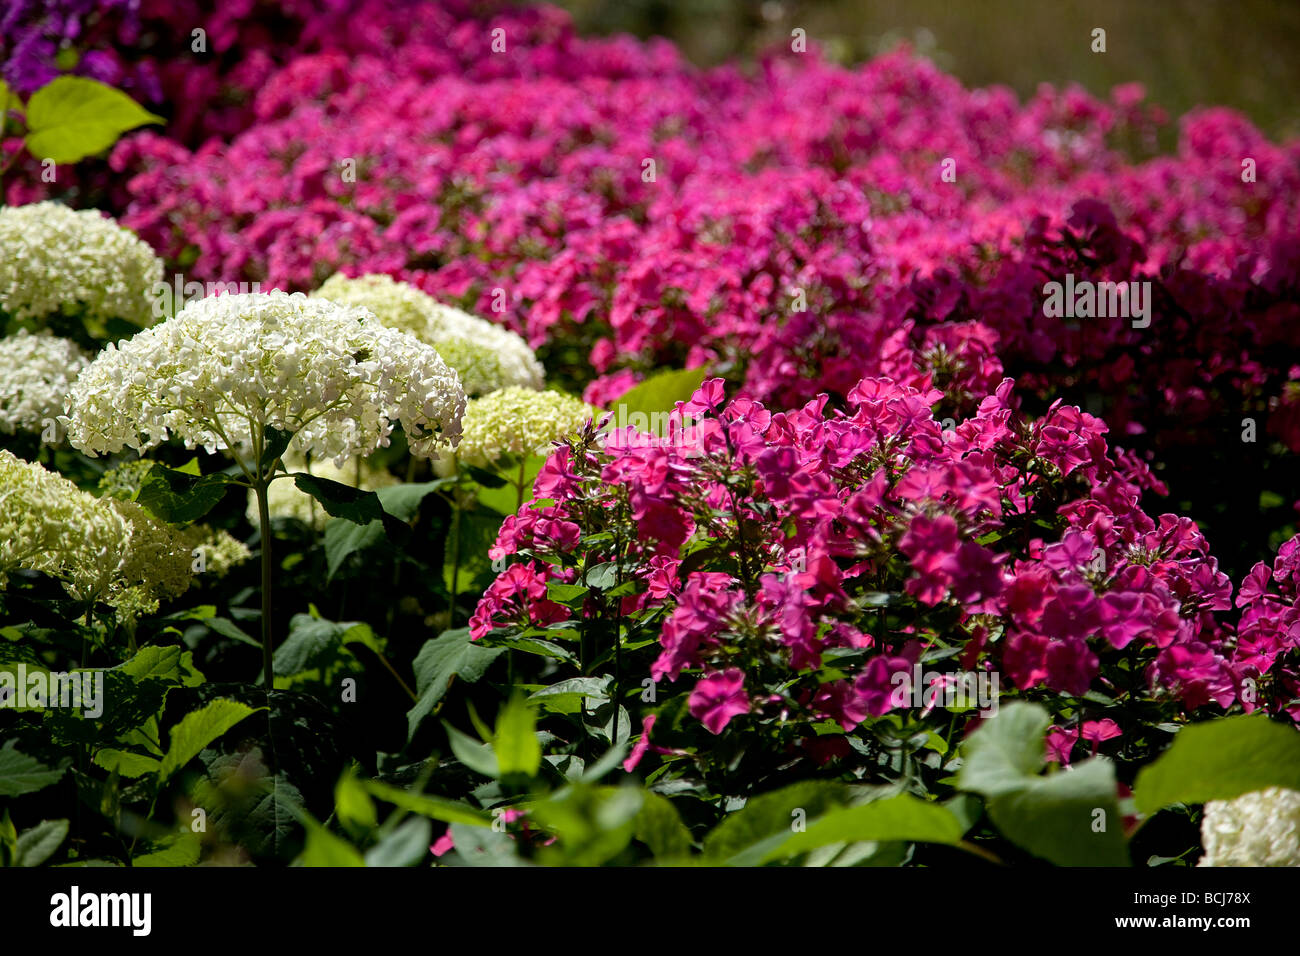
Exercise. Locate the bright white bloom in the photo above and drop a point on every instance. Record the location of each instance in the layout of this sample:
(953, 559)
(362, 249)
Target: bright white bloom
(36, 374)
(1255, 829)
(54, 259)
(285, 500)
(103, 549)
(484, 355)
(226, 367)
(519, 422)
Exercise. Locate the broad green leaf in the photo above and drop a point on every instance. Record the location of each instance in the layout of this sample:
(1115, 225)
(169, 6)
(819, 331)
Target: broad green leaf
(125, 763)
(745, 836)
(436, 808)
(660, 827)
(344, 537)
(1071, 817)
(181, 849)
(170, 663)
(73, 117)
(449, 655)
(312, 643)
(900, 818)
(198, 729)
(517, 747)
(658, 393)
(1005, 750)
(1219, 760)
(405, 846)
(179, 498)
(21, 774)
(475, 755)
(38, 844)
(327, 850)
(352, 804)
(403, 501)
(593, 824)
(344, 501)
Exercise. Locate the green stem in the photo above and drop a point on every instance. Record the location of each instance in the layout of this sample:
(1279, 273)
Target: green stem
(519, 487)
(264, 519)
(455, 551)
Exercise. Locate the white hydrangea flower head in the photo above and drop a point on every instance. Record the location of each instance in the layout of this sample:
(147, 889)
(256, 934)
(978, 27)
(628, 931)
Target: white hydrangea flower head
(519, 422)
(101, 548)
(36, 375)
(484, 355)
(49, 524)
(1255, 829)
(221, 550)
(226, 367)
(54, 259)
(285, 500)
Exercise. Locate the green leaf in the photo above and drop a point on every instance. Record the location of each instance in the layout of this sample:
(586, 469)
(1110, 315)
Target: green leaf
(72, 117)
(1219, 760)
(449, 655)
(9, 100)
(38, 844)
(327, 850)
(405, 846)
(517, 747)
(20, 774)
(1071, 818)
(343, 538)
(1005, 750)
(658, 393)
(352, 804)
(660, 827)
(477, 756)
(198, 729)
(403, 501)
(313, 643)
(125, 763)
(1057, 817)
(344, 501)
(436, 808)
(744, 837)
(899, 818)
(180, 849)
(593, 824)
(179, 498)
(163, 662)
(276, 441)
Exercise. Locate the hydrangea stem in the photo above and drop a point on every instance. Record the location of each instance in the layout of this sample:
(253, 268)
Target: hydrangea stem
(264, 521)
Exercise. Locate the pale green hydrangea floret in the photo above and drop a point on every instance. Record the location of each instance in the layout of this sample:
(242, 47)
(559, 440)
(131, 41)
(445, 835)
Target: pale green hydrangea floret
(226, 368)
(36, 374)
(54, 259)
(484, 355)
(519, 422)
(103, 549)
(1255, 829)
(222, 551)
(285, 500)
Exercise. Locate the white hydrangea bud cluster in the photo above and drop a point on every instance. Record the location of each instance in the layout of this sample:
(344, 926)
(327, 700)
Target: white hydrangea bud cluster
(36, 374)
(55, 259)
(484, 355)
(225, 368)
(101, 548)
(1255, 829)
(222, 551)
(285, 500)
(519, 422)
